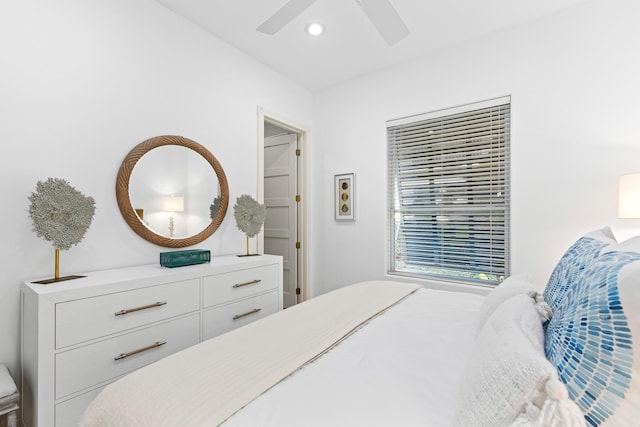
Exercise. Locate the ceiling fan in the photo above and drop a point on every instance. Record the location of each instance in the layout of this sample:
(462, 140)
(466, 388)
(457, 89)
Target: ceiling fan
(380, 12)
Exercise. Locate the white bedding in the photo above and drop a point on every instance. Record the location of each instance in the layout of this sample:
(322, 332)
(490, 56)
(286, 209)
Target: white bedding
(401, 368)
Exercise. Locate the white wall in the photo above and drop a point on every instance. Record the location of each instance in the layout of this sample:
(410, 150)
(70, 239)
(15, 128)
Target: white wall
(574, 81)
(81, 83)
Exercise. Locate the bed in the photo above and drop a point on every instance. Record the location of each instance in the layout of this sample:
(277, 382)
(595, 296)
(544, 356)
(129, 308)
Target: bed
(382, 353)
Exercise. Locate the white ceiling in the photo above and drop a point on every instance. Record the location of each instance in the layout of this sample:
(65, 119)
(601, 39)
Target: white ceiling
(351, 45)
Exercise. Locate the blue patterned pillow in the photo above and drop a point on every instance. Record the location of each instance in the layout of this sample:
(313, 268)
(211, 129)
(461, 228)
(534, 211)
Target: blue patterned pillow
(575, 259)
(593, 338)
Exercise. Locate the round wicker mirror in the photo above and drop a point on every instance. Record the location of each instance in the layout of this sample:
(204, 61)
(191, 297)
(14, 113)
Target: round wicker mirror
(135, 221)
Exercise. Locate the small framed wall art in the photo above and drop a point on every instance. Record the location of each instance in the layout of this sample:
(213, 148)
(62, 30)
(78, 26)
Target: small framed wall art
(345, 197)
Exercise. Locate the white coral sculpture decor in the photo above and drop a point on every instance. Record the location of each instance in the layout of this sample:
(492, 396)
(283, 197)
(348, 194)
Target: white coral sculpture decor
(249, 215)
(60, 213)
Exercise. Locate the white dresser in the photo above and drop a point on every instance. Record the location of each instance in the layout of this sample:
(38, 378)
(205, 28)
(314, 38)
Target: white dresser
(80, 335)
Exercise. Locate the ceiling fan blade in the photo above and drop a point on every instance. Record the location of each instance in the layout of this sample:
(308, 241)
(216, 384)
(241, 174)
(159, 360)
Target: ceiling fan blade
(284, 15)
(386, 20)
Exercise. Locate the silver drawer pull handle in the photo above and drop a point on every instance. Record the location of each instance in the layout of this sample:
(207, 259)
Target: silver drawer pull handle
(253, 282)
(144, 307)
(140, 350)
(248, 313)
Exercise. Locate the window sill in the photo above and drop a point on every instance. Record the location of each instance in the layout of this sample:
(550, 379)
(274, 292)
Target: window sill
(442, 285)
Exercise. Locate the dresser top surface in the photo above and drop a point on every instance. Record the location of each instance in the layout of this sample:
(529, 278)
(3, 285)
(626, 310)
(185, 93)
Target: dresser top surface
(151, 272)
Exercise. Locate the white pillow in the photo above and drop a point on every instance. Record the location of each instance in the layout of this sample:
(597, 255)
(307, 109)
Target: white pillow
(517, 284)
(507, 375)
(556, 409)
(7, 385)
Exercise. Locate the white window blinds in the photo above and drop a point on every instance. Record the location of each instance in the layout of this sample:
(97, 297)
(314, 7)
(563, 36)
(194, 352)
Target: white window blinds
(449, 193)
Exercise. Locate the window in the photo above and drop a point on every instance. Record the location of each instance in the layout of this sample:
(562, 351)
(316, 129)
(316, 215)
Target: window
(449, 193)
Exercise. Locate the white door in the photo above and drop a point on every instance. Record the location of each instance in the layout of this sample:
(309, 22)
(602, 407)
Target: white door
(280, 191)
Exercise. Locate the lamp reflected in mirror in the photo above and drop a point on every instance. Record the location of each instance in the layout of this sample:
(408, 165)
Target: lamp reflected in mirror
(629, 196)
(172, 204)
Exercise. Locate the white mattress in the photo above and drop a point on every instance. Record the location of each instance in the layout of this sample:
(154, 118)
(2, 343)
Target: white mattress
(402, 369)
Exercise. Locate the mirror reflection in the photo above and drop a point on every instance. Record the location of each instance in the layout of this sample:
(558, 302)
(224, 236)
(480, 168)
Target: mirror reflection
(171, 191)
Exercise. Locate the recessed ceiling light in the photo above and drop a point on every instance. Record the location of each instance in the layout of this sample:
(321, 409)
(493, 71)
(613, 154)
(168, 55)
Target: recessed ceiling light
(314, 29)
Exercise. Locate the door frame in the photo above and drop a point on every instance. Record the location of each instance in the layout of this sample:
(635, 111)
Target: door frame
(304, 139)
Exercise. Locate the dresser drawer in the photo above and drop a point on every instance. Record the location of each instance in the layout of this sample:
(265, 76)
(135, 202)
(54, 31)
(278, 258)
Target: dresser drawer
(227, 287)
(69, 412)
(96, 363)
(222, 319)
(85, 319)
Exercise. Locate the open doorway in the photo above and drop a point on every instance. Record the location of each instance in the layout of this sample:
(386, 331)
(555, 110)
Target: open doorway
(281, 188)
